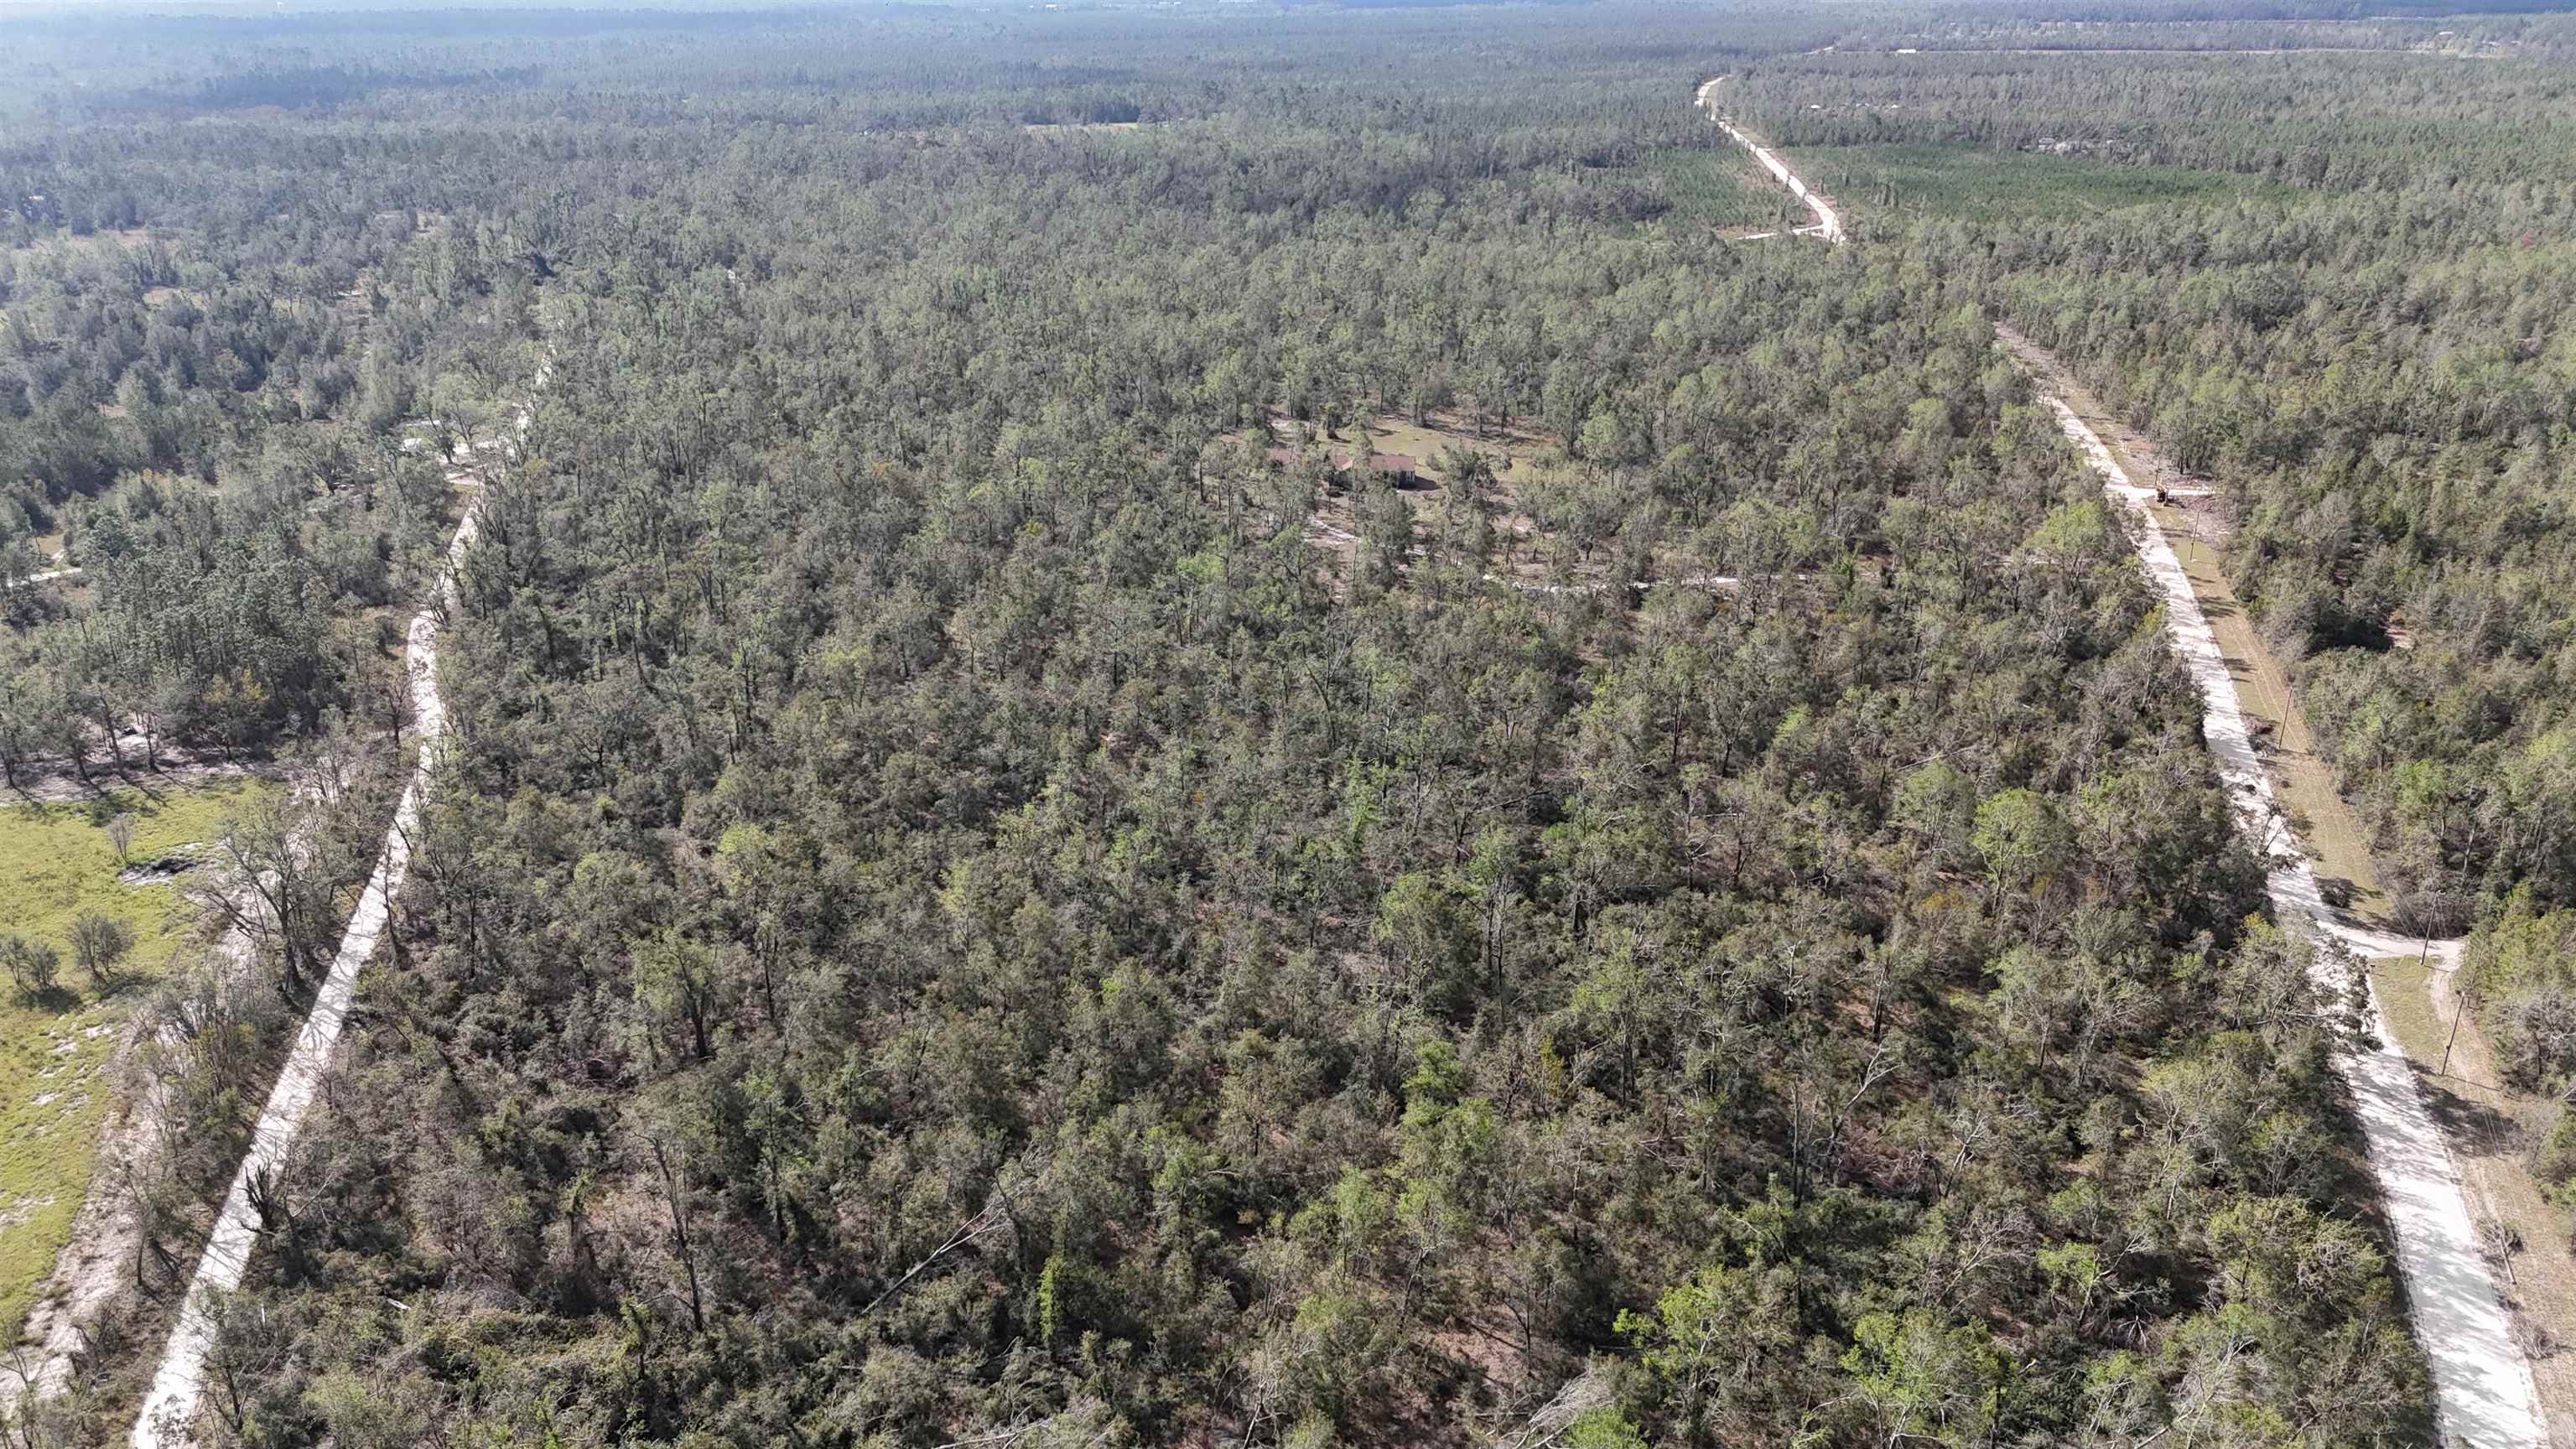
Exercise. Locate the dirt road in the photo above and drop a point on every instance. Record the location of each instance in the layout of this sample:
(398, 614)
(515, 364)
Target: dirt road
(178, 1384)
(1828, 224)
(2483, 1388)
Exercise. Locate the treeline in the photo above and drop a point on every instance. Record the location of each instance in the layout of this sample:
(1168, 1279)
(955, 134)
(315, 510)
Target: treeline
(2456, 133)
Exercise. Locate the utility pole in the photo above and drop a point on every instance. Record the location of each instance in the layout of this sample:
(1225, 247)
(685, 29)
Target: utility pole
(2459, 1009)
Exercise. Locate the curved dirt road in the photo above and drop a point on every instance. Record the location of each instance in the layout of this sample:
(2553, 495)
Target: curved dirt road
(1828, 225)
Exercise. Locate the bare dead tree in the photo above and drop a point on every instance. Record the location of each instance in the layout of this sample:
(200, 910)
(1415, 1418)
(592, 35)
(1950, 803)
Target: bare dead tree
(680, 1235)
(994, 1215)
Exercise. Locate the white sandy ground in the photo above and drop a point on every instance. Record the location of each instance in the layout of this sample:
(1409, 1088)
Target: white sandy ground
(1828, 225)
(60, 570)
(178, 1385)
(2483, 1395)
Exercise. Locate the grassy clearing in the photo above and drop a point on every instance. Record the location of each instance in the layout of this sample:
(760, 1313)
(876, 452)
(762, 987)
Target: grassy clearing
(1720, 188)
(1979, 184)
(56, 862)
(1394, 433)
(1514, 453)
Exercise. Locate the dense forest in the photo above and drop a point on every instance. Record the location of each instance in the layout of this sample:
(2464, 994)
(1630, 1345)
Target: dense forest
(967, 907)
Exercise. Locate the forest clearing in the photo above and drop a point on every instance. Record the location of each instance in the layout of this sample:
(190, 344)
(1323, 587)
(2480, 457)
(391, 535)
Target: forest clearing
(1976, 182)
(119, 860)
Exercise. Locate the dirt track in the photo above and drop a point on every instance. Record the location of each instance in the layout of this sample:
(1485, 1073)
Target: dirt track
(1828, 224)
(2483, 1390)
(178, 1384)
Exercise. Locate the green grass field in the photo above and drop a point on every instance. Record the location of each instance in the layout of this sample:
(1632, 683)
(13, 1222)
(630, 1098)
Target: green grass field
(1985, 185)
(55, 863)
(1719, 188)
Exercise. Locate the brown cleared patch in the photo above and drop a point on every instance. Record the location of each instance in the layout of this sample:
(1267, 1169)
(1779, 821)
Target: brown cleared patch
(1516, 454)
(353, 303)
(106, 240)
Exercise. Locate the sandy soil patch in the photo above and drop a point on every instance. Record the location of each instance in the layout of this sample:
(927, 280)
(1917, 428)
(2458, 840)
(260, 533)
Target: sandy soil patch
(1333, 526)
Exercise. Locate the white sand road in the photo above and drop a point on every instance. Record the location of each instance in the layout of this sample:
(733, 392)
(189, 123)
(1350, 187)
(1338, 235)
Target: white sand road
(1828, 225)
(2482, 1385)
(170, 1408)
(62, 569)
(2483, 1393)
(178, 1384)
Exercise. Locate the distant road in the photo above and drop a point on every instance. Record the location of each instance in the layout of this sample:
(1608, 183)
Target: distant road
(1828, 225)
